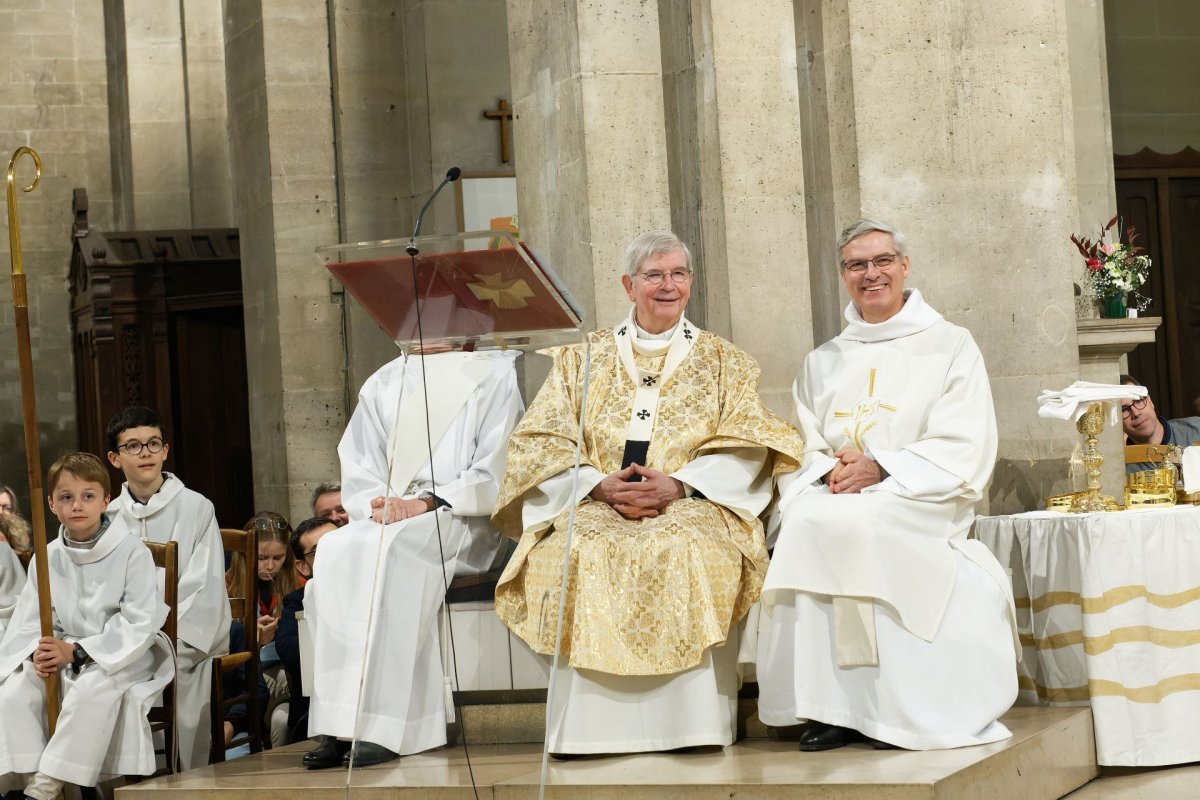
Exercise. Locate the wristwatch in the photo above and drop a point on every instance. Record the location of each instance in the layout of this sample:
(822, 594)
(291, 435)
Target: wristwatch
(431, 501)
(79, 659)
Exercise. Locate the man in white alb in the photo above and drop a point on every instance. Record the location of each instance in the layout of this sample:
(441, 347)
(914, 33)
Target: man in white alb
(885, 621)
(473, 405)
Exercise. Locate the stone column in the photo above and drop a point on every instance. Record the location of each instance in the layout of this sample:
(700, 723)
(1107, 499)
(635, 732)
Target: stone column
(209, 180)
(157, 107)
(283, 155)
(590, 138)
(953, 121)
(737, 176)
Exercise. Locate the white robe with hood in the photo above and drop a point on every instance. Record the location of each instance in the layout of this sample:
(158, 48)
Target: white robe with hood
(882, 616)
(403, 699)
(106, 599)
(176, 513)
(12, 578)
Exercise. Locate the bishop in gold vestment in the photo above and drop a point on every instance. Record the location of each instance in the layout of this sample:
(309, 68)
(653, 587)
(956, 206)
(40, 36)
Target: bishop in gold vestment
(656, 590)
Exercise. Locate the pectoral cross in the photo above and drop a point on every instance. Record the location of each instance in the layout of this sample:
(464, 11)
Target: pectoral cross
(504, 114)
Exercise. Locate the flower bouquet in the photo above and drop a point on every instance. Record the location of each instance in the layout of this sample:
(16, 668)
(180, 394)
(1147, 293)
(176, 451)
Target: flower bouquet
(1116, 269)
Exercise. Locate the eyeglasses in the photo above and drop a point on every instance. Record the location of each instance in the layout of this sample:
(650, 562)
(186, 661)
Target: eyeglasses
(134, 448)
(1138, 404)
(266, 523)
(656, 278)
(309, 556)
(881, 263)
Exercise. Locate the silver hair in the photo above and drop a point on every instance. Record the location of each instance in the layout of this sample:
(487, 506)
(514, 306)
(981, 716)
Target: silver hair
(653, 243)
(864, 226)
(324, 487)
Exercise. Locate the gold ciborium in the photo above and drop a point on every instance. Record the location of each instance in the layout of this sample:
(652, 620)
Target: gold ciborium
(1090, 425)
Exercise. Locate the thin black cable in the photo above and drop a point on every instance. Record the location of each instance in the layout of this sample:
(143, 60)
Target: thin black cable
(462, 722)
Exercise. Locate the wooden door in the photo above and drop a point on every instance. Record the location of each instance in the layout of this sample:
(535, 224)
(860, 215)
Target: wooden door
(211, 409)
(1160, 196)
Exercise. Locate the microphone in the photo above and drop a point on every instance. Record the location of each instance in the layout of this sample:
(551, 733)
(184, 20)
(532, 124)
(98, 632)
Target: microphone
(452, 175)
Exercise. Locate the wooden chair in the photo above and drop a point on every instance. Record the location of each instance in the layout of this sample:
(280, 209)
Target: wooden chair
(243, 605)
(162, 718)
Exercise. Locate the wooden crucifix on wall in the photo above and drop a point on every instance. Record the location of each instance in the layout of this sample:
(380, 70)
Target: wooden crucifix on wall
(504, 114)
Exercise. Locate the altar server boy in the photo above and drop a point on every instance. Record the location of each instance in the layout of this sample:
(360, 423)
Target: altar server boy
(157, 506)
(107, 612)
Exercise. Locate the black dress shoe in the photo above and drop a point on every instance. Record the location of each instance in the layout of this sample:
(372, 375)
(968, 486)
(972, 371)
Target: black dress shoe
(329, 752)
(819, 736)
(879, 744)
(369, 754)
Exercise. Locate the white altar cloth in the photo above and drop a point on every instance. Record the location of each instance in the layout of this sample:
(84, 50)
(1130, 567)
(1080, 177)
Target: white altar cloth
(1108, 610)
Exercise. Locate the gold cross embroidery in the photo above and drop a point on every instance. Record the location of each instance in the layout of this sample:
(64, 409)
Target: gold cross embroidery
(863, 414)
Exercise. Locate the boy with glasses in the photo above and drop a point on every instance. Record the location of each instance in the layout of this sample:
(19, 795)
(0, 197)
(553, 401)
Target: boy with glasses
(158, 507)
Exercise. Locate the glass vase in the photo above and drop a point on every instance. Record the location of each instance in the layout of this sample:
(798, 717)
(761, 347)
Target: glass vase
(1113, 306)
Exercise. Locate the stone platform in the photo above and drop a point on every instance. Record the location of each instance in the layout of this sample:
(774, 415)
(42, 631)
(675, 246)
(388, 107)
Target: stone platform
(1051, 753)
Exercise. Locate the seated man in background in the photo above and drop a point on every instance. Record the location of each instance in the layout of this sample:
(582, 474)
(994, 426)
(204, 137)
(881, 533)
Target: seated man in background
(287, 637)
(1143, 425)
(327, 503)
(415, 523)
(885, 621)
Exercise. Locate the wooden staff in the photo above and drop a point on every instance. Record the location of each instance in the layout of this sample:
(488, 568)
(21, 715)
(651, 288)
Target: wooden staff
(33, 456)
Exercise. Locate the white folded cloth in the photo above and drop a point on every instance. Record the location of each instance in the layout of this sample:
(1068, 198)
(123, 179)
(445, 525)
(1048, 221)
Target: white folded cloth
(1071, 402)
(1191, 469)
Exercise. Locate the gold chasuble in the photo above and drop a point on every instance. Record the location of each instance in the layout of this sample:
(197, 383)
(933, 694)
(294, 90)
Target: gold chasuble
(646, 596)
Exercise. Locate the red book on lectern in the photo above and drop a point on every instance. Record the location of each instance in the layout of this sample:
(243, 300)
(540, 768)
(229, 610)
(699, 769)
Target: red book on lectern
(481, 287)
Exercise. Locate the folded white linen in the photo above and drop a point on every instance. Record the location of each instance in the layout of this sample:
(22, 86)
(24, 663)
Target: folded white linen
(1071, 402)
(1191, 469)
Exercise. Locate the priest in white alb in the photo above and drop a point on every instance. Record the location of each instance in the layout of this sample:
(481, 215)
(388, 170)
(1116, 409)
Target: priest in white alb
(883, 621)
(679, 460)
(437, 527)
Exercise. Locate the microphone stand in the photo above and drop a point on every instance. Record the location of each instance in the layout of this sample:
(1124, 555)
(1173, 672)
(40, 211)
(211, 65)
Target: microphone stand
(452, 175)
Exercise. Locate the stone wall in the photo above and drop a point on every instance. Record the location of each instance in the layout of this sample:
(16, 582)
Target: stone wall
(1153, 60)
(53, 97)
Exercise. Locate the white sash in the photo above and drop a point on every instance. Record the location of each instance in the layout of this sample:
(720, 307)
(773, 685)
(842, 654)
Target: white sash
(450, 379)
(649, 384)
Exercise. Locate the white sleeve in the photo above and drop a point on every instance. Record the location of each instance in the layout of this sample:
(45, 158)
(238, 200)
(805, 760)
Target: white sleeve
(911, 476)
(203, 601)
(363, 449)
(736, 478)
(553, 496)
(473, 493)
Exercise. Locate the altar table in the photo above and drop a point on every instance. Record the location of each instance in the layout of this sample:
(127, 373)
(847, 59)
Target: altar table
(1108, 611)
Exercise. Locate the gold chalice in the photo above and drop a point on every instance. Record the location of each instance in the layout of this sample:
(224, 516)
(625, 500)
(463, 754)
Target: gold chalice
(1090, 425)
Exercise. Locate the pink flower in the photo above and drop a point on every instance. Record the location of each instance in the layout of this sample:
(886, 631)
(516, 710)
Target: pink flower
(1106, 248)
(1095, 264)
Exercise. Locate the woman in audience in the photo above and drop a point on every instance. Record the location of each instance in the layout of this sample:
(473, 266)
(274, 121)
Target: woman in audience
(277, 578)
(15, 532)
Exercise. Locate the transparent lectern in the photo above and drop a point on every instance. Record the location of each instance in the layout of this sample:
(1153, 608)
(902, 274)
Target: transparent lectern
(470, 292)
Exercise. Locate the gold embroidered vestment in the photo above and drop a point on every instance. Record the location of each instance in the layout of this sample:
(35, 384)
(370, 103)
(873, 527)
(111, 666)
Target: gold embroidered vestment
(649, 596)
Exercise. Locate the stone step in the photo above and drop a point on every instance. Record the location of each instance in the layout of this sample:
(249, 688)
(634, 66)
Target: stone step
(1052, 752)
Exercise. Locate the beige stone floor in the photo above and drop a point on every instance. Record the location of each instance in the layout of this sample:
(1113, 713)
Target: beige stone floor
(1051, 752)
(1163, 783)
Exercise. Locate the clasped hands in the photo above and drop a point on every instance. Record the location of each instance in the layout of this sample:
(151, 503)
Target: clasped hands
(643, 499)
(854, 472)
(393, 509)
(51, 654)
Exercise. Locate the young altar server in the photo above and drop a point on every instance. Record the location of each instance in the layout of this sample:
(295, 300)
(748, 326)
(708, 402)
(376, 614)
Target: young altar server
(107, 611)
(886, 622)
(159, 508)
(473, 405)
